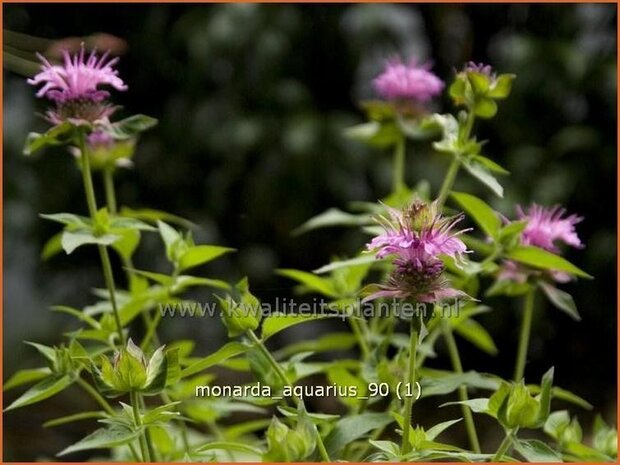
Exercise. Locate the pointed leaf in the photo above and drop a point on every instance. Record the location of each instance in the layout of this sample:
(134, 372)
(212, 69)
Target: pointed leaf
(44, 389)
(480, 212)
(540, 258)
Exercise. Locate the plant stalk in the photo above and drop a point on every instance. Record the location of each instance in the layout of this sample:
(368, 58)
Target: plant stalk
(144, 448)
(411, 378)
(282, 375)
(398, 179)
(110, 194)
(87, 179)
(524, 336)
(504, 446)
(455, 165)
(105, 406)
(458, 368)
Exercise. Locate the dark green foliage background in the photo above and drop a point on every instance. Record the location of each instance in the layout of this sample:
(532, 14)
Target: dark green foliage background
(252, 101)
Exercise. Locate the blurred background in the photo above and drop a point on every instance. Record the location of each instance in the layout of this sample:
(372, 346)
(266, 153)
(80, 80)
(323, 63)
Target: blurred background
(252, 102)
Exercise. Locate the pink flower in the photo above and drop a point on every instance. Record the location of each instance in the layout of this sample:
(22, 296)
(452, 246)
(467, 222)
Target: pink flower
(400, 81)
(416, 238)
(544, 228)
(547, 226)
(417, 232)
(481, 68)
(75, 86)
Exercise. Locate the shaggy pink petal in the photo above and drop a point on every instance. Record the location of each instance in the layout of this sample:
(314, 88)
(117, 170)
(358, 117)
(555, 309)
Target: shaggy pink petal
(548, 226)
(400, 81)
(77, 78)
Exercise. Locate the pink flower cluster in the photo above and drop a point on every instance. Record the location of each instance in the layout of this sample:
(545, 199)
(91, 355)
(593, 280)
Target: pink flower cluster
(546, 228)
(416, 238)
(401, 81)
(75, 86)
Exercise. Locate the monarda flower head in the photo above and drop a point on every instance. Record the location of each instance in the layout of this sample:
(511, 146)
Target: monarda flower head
(407, 82)
(481, 68)
(546, 228)
(75, 87)
(416, 239)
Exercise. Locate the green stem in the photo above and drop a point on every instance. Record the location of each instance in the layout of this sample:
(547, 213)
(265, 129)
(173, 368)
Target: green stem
(524, 336)
(147, 432)
(282, 375)
(504, 446)
(455, 165)
(144, 449)
(96, 396)
(458, 368)
(109, 281)
(87, 179)
(110, 195)
(108, 184)
(411, 374)
(398, 180)
(91, 391)
(360, 335)
(184, 433)
(448, 181)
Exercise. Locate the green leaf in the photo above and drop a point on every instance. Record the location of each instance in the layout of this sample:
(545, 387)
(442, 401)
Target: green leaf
(127, 242)
(480, 212)
(480, 82)
(475, 333)
(556, 424)
(230, 446)
(361, 260)
(333, 217)
(52, 247)
(77, 314)
(201, 254)
(131, 127)
(540, 258)
(57, 135)
(277, 322)
(69, 219)
(457, 90)
(450, 382)
(545, 395)
(490, 164)
(44, 389)
(26, 376)
(71, 240)
(103, 438)
(485, 108)
(502, 86)
(311, 281)
(436, 430)
(329, 342)
(72, 418)
(352, 428)
(522, 409)
(171, 238)
(480, 405)
(483, 174)
(342, 377)
(227, 351)
(48, 352)
(149, 214)
(560, 299)
(376, 134)
(536, 451)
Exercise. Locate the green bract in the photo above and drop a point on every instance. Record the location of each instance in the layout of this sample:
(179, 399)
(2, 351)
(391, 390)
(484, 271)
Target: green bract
(130, 371)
